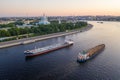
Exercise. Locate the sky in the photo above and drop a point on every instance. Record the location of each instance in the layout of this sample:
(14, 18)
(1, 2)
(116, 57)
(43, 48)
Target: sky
(14, 8)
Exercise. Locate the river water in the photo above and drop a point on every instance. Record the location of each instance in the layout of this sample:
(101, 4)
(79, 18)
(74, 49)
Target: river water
(61, 64)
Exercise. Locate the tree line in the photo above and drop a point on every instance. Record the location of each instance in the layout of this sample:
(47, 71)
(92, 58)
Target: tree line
(42, 29)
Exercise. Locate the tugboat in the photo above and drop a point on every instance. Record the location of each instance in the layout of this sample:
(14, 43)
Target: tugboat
(47, 49)
(86, 55)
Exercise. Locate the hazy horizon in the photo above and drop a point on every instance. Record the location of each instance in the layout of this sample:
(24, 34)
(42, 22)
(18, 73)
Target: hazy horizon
(20, 8)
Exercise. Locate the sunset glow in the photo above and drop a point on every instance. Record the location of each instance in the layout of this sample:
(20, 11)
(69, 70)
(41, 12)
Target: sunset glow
(59, 7)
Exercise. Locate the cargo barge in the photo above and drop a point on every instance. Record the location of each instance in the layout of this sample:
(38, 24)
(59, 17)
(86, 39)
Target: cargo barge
(47, 49)
(86, 55)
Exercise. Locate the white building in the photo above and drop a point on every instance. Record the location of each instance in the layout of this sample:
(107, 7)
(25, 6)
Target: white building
(59, 21)
(6, 22)
(44, 20)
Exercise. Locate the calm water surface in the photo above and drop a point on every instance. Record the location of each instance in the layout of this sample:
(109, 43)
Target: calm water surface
(61, 64)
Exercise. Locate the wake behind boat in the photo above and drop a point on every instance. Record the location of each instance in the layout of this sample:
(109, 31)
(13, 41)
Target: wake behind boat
(46, 49)
(85, 55)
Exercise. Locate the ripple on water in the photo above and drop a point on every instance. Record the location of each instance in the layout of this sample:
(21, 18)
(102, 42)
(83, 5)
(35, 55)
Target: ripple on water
(61, 64)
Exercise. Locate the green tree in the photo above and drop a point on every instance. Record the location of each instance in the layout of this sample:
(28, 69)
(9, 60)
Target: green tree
(14, 31)
(4, 33)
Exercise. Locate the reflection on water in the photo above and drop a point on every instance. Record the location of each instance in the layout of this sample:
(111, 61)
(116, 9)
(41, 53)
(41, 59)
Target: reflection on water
(62, 64)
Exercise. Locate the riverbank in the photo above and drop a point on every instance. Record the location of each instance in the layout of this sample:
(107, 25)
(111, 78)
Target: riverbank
(43, 37)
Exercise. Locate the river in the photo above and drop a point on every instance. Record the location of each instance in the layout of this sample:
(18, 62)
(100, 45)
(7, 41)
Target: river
(61, 64)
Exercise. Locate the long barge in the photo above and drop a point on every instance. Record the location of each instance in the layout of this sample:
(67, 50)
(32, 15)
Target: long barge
(47, 49)
(86, 55)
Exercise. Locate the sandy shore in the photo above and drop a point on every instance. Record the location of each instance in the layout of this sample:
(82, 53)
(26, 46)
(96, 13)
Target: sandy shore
(43, 37)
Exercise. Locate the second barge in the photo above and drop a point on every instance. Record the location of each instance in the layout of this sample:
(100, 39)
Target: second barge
(85, 55)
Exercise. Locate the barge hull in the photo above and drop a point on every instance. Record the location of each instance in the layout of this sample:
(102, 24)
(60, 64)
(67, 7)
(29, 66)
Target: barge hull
(90, 53)
(47, 51)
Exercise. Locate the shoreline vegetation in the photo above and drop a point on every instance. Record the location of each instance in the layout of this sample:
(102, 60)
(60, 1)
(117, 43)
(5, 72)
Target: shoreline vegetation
(14, 33)
(36, 30)
(43, 37)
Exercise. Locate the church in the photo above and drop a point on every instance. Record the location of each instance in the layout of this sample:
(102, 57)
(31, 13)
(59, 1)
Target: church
(44, 20)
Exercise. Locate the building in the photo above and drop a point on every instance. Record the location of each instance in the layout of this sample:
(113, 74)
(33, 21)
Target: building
(44, 20)
(59, 21)
(6, 22)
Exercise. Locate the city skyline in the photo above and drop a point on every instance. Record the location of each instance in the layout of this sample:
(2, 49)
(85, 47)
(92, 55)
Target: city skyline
(14, 8)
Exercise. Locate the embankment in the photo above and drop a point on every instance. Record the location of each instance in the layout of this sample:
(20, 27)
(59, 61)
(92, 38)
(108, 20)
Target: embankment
(43, 37)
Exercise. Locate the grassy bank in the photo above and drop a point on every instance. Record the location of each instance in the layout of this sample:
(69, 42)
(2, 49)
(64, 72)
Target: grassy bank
(20, 33)
(43, 37)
